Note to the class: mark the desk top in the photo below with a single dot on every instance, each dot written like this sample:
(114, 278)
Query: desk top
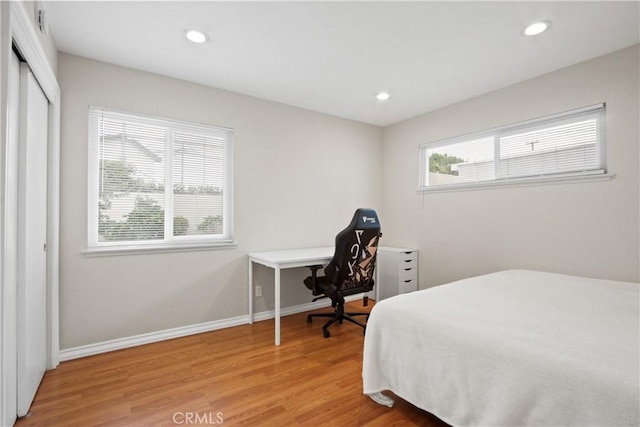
(289, 258)
(293, 256)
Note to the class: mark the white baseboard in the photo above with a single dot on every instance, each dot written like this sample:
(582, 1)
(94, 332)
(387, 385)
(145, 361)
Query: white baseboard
(183, 331)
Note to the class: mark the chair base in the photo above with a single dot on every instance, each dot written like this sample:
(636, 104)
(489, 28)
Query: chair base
(338, 316)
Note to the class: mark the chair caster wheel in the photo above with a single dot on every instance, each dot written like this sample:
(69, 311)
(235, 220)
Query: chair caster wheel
(309, 320)
(326, 333)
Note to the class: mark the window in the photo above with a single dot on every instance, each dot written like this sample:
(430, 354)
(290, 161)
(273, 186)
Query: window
(157, 183)
(562, 146)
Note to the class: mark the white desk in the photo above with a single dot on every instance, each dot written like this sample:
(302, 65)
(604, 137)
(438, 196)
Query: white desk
(289, 258)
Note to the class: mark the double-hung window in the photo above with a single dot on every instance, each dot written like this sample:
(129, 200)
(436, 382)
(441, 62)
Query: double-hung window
(569, 145)
(157, 183)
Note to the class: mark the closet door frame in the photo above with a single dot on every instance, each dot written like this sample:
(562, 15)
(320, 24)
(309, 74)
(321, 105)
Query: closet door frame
(16, 29)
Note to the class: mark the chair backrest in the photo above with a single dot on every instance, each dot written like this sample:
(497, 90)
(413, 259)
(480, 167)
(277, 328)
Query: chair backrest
(354, 260)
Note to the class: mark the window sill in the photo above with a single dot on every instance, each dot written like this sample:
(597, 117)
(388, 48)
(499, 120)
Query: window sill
(518, 182)
(151, 249)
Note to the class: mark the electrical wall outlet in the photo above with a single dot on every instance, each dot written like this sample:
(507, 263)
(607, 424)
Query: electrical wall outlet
(258, 290)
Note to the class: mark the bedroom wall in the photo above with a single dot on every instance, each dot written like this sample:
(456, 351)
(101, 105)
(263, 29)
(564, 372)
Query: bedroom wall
(588, 229)
(294, 173)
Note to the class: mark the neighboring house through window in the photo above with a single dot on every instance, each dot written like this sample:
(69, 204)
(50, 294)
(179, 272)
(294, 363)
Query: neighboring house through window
(562, 146)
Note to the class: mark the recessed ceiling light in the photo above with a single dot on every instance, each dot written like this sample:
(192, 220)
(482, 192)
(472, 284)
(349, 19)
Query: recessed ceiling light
(537, 28)
(196, 36)
(382, 96)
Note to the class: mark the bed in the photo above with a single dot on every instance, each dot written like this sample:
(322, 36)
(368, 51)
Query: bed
(513, 348)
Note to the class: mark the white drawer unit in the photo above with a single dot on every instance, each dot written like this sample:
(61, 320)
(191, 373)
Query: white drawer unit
(398, 271)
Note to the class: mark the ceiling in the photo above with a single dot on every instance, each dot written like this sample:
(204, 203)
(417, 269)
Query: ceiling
(333, 57)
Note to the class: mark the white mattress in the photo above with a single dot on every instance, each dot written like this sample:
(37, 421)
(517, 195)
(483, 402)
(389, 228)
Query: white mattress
(514, 348)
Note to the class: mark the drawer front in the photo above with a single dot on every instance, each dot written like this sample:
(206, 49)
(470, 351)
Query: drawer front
(404, 256)
(408, 263)
(408, 273)
(409, 285)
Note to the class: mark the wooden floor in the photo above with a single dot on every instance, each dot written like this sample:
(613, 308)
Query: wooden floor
(233, 377)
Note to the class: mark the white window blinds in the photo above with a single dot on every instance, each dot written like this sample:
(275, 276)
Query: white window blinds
(566, 144)
(157, 181)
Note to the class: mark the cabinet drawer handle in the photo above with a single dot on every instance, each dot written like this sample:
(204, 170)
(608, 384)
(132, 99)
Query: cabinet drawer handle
(408, 269)
(408, 260)
(407, 281)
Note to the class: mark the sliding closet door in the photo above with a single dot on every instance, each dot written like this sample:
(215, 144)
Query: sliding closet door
(32, 237)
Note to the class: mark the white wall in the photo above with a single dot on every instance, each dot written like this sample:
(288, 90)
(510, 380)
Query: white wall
(588, 229)
(298, 178)
(299, 175)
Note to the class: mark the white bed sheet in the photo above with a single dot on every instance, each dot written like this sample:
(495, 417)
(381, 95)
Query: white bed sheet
(513, 348)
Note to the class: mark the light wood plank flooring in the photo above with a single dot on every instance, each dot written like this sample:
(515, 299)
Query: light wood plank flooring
(232, 377)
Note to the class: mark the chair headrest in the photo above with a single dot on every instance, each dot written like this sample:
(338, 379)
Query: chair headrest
(366, 218)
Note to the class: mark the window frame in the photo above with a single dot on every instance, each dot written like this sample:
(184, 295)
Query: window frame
(598, 174)
(171, 243)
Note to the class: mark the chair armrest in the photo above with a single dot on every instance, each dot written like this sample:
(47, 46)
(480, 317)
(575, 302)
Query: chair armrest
(314, 271)
(312, 281)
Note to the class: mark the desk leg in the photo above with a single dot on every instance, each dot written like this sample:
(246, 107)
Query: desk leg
(250, 292)
(277, 277)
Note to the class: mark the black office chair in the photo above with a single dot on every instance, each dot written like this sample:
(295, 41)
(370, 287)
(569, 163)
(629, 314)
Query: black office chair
(351, 269)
